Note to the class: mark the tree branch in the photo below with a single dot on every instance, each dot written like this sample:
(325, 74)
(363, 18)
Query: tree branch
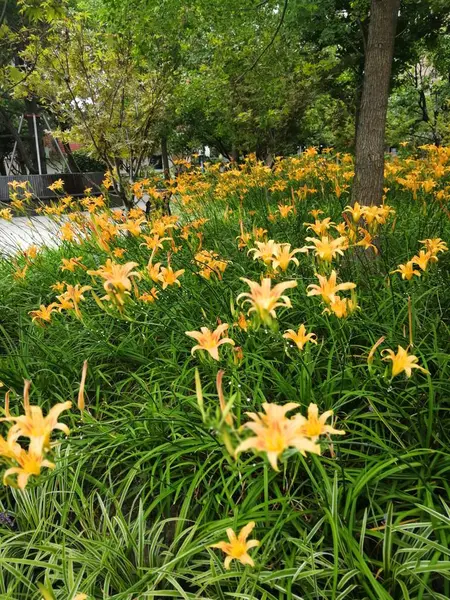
(264, 50)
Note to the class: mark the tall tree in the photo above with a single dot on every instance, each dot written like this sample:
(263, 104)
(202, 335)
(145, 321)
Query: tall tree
(369, 161)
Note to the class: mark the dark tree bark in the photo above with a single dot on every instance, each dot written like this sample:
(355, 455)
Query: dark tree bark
(69, 157)
(38, 145)
(369, 163)
(165, 158)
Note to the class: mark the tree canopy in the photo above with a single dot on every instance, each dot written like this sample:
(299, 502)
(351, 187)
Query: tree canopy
(263, 76)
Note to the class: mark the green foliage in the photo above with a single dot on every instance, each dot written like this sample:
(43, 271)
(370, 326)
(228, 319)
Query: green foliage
(143, 485)
(86, 163)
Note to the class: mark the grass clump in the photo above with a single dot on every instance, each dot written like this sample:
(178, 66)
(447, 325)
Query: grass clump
(149, 480)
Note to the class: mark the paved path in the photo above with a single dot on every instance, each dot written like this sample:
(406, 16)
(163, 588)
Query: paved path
(23, 232)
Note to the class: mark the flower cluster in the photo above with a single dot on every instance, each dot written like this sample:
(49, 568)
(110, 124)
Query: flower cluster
(32, 425)
(426, 256)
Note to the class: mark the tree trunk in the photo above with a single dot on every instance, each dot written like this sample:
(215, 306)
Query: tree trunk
(369, 164)
(69, 157)
(38, 144)
(165, 158)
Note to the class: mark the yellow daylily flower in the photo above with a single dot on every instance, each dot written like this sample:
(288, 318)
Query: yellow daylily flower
(210, 340)
(314, 425)
(6, 214)
(320, 228)
(57, 185)
(18, 184)
(341, 307)
(341, 228)
(44, 313)
(328, 288)
(18, 204)
(67, 232)
(300, 338)
(423, 258)
(402, 361)
(118, 280)
(407, 270)
(169, 277)
(58, 286)
(35, 426)
(434, 245)
(265, 300)
(274, 433)
(70, 264)
(356, 211)
(29, 464)
(9, 448)
(266, 251)
(237, 546)
(283, 256)
(149, 297)
(328, 248)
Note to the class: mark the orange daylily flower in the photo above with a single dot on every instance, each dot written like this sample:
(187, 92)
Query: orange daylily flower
(434, 245)
(35, 426)
(29, 464)
(70, 264)
(118, 280)
(407, 270)
(265, 300)
(328, 248)
(402, 361)
(237, 546)
(300, 337)
(210, 340)
(423, 258)
(328, 288)
(169, 277)
(283, 256)
(314, 425)
(9, 447)
(265, 251)
(285, 210)
(274, 433)
(341, 307)
(119, 252)
(149, 297)
(71, 298)
(44, 313)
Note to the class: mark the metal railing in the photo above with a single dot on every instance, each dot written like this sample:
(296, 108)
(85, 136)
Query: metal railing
(74, 184)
